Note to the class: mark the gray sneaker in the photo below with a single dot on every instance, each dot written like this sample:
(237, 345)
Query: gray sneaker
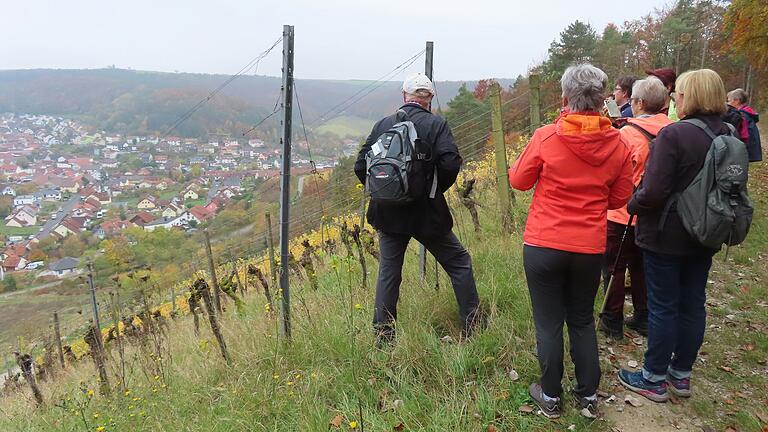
(586, 407)
(550, 409)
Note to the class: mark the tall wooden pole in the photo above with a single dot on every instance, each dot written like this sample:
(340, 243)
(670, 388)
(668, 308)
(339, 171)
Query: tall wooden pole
(534, 83)
(212, 270)
(502, 183)
(285, 186)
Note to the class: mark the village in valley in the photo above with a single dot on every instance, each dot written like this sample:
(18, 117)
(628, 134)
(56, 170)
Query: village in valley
(60, 180)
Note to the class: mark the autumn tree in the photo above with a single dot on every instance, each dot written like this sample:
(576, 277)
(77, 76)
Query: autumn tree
(470, 120)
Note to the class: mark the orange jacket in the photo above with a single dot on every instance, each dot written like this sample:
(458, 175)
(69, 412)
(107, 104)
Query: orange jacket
(639, 145)
(583, 168)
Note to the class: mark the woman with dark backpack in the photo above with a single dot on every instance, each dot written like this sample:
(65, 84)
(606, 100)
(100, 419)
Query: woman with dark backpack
(676, 265)
(748, 131)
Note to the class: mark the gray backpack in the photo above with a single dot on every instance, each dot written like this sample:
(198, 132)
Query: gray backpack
(396, 169)
(715, 208)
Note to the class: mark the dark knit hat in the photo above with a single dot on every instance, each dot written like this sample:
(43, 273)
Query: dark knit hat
(666, 75)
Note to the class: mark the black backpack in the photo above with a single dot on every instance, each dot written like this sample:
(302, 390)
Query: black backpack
(715, 208)
(396, 171)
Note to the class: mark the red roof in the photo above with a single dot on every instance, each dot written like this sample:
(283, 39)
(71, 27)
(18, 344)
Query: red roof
(142, 218)
(201, 213)
(12, 261)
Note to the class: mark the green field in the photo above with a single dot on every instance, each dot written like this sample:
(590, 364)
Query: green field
(347, 126)
(12, 231)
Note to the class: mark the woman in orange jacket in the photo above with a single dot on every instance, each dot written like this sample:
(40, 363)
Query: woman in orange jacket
(581, 167)
(648, 99)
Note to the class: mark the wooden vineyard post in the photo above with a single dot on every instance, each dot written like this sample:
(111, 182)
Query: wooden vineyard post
(501, 159)
(271, 248)
(212, 270)
(57, 335)
(25, 364)
(534, 83)
(93, 339)
(202, 289)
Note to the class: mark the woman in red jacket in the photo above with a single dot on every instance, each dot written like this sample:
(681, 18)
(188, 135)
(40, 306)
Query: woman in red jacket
(581, 168)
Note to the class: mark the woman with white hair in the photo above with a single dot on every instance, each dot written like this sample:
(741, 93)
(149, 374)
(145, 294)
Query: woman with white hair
(648, 98)
(581, 168)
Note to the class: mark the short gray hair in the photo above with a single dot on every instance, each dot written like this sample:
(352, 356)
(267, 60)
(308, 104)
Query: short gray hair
(419, 95)
(738, 95)
(584, 85)
(651, 91)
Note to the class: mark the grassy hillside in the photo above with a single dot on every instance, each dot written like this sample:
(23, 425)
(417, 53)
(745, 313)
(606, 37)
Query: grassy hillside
(331, 376)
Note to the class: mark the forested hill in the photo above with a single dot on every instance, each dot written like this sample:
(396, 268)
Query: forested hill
(137, 102)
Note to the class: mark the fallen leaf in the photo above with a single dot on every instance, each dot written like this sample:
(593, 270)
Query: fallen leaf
(477, 416)
(635, 402)
(572, 427)
(762, 417)
(398, 403)
(748, 347)
(336, 421)
(447, 339)
(731, 429)
(488, 359)
(398, 427)
(492, 428)
(728, 402)
(638, 341)
(726, 368)
(602, 394)
(526, 409)
(513, 375)
(632, 363)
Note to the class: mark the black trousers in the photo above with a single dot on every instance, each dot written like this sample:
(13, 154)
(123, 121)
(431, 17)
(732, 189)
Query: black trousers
(563, 286)
(449, 253)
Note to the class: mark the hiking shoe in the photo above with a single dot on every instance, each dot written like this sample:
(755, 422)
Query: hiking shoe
(586, 407)
(550, 409)
(476, 323)
(679, 387)
(385, 335)
(634, 381)
(637, 324)
(611, 328)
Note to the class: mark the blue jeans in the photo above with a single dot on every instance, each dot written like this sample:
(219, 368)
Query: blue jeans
(676, 314)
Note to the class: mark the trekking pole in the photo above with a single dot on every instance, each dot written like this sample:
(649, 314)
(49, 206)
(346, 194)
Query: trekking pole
(615, 266)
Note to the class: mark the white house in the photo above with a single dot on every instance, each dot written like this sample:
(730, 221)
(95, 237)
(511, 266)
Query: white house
(23, 200)
(9, 191)
(165, 222)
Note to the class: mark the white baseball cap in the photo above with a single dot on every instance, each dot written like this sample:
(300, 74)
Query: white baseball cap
(418, 81)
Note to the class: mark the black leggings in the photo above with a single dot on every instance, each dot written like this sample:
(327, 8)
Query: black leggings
(563, 286)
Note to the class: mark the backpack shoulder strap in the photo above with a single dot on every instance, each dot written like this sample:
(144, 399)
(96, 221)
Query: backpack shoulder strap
(401, 115)
(701, 125)
(647, 134)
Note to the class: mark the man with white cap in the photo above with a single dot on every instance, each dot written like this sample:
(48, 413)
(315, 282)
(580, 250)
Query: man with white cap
(427, 219)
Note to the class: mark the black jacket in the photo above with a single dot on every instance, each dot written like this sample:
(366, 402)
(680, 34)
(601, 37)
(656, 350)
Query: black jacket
(676, 157)
(426, 217)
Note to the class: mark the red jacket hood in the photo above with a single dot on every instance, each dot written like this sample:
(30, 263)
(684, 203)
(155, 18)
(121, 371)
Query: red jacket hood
(589, 136)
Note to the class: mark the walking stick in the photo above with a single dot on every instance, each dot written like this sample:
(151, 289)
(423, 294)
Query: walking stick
(615, 266)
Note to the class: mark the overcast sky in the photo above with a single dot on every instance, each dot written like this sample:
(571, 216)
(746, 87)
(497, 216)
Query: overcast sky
(335, 39)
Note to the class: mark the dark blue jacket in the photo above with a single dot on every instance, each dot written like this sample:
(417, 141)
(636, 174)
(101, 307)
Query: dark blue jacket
(626, 110)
